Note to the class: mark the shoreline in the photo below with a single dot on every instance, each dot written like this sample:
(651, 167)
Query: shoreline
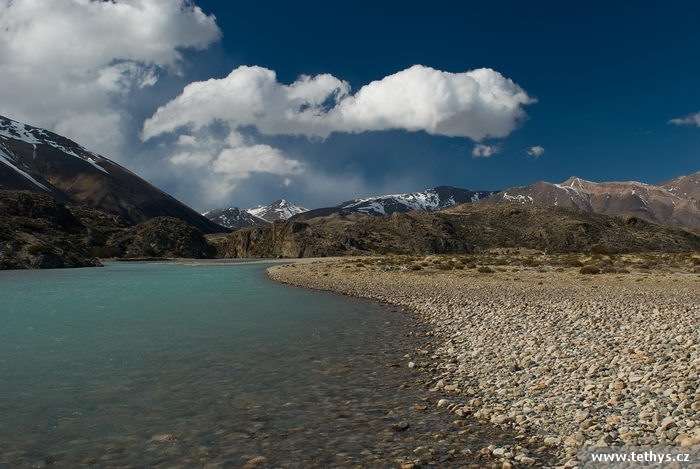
(567, 359)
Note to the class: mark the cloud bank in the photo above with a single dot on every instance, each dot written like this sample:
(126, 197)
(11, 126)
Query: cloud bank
(690, 119)
(65, 64)
(476, 104)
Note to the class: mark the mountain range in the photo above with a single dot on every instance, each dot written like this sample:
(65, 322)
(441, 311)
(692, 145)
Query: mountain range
(62, 205)
(41, 161)
(261, 215)
(673, 203)
(429, 200)
(465, 228)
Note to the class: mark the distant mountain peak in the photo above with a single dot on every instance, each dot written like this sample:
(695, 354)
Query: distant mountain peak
(280, 209)
(234, 217)
(575, 181)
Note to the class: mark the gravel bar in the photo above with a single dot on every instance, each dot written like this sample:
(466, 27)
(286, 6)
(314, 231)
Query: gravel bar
(569, 359)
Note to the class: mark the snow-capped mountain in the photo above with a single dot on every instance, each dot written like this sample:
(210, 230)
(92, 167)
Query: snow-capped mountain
(278, 210)
(235, 218)
(671, 203)
(35, 159)
(429, 200)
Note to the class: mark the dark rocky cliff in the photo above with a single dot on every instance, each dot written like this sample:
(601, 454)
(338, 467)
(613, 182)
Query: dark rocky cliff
(36, 231)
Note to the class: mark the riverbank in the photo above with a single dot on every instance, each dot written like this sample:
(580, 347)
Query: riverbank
(544, 347)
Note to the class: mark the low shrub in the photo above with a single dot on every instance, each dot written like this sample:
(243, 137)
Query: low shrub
(589, 270)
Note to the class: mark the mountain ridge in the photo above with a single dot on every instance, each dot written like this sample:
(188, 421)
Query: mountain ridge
(429, 200)
(234, 218)
(672, 204)
(32, 158)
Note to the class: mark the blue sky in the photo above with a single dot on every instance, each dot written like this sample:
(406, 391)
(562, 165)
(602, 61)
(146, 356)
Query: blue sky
(597, 86)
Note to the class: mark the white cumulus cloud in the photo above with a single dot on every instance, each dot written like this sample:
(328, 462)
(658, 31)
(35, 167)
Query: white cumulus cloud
(690, 119)
(485, 151)
(476, 104)
(251, 96)
(231, 160)
(64, 61)
(535, 151)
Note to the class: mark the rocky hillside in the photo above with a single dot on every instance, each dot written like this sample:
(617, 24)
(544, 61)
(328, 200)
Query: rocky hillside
(36, 231)
(41, 161)
(462, 229)
(674, 203)
(161, 237)
(687, 187)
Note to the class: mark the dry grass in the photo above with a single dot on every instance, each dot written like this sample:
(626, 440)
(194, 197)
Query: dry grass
(523, 260)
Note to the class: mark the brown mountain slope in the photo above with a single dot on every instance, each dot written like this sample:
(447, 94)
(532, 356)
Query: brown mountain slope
(657, 204)
(38, 160)
(462, 229)
(687, 187)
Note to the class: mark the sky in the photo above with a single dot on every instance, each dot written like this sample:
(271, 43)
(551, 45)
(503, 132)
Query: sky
(242, 103)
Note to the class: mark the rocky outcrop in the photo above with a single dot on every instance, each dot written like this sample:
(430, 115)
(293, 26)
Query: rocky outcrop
(37, 232)
(162, 237)
(463, 229)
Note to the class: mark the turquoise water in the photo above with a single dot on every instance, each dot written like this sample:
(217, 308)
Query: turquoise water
(141, 364)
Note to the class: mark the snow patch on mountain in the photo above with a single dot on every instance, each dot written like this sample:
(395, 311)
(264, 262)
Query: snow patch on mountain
(9, 161)
(520, 198)
(427, 200)
(34, 136)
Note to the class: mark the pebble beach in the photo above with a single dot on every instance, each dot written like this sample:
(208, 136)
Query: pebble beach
(564, 358)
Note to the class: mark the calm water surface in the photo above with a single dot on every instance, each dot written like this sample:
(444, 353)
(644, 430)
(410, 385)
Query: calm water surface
(140, 364)
(210, 365)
